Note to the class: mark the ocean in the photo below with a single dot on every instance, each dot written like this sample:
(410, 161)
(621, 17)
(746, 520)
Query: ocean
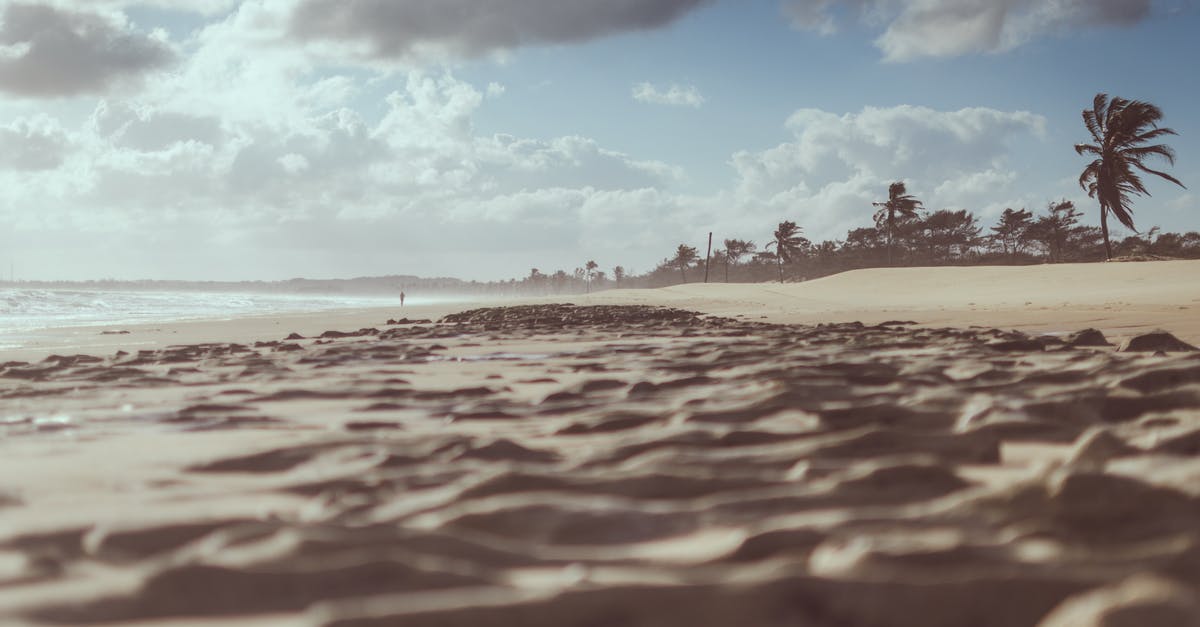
(26, 310)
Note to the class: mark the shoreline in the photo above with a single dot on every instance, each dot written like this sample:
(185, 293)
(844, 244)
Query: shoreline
(1121, 300)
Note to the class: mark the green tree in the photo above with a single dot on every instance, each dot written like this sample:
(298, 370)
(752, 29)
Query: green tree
(898, 202)
(950, 234)
(1121, 130)
(864, 247)
(1012, 230)
(789, 244)
(685, 256)
(619, 274)
(735, 249)
(1054, 230)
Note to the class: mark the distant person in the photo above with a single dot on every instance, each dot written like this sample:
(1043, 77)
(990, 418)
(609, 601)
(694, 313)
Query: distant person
(401, 298)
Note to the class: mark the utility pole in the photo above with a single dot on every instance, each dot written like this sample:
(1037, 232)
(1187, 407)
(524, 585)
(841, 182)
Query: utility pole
(707, 256)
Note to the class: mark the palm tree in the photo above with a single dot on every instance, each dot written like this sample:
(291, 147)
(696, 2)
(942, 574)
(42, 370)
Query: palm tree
(788, 243)
(899, 201)
(735, 249)
(1121, 129)
(590, 268)
(685, 256)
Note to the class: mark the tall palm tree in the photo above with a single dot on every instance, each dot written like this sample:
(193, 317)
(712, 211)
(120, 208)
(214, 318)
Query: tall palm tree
(735, 249)
(1120, 129)
(788, 242)
(898, 202)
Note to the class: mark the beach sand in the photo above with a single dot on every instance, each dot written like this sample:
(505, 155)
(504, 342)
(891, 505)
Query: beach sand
(621, 463)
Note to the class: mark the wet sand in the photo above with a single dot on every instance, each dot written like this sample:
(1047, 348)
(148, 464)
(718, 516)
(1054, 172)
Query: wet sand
(614, 465)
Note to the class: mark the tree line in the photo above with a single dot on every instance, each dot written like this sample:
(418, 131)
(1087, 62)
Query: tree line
(937, 238)
(905, 233)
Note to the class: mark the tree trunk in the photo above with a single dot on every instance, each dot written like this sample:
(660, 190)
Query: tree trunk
(1104, 229)
(726, 269)
(891, 235)
(707, 257)
(781, 270)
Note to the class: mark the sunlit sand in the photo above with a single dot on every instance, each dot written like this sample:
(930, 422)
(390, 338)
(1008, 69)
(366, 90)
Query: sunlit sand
(551, 465)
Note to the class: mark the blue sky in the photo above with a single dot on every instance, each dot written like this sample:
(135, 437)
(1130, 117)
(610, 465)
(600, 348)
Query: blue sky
(266, 139)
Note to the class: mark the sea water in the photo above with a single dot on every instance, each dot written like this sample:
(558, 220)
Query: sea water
(26, 310)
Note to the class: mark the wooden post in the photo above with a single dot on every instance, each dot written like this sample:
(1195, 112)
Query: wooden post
(707, 257)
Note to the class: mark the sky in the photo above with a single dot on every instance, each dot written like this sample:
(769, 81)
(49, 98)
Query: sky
(272, 139)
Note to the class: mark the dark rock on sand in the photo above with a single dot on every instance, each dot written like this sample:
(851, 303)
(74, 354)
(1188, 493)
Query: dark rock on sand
(406, 321)
(1155, 342)
(1019, 345)
(341, 334)
(558, 316)
(1088, 337)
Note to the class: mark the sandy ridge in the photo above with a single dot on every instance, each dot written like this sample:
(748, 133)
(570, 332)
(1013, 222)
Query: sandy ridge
(564, 466)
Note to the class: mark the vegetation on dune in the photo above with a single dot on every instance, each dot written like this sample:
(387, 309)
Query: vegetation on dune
(685, 257)
(929, 238)
(733, 252)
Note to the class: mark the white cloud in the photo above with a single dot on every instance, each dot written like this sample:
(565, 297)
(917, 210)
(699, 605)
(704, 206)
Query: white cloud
(836, 165)
(947, 28)
(33, 144)
(293, 163)
(283, 177)
(674, 95)
(52, 52)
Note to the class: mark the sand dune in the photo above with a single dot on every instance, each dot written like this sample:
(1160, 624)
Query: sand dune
(620, 465)
(1119, 298)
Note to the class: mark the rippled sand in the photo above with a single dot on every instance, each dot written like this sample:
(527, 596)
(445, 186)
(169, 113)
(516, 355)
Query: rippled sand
(565, 466)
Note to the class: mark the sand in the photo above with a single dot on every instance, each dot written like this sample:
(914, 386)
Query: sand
(620, 463)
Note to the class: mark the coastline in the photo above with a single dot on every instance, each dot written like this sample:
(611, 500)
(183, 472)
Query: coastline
(1119, 299)
(550, 465)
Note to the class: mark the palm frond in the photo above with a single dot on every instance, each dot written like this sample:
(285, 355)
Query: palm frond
(1158, 150)
(1133, 183)
(1123, 214)
(1160, 174)
(1112, 117)
(1089, 176)
(1153, 133)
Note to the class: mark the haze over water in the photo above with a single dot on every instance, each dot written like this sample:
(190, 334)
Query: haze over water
(24, 310)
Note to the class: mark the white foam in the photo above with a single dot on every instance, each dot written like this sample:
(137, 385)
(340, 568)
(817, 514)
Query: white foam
(24, 310)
